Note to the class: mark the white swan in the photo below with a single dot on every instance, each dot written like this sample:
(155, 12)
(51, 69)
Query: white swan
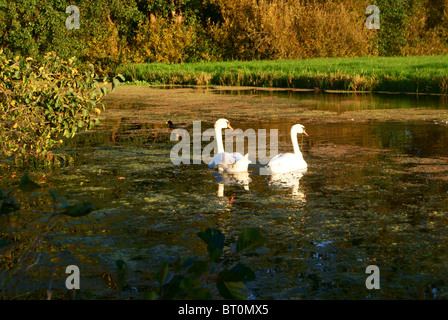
(287, 162)
(226, 161)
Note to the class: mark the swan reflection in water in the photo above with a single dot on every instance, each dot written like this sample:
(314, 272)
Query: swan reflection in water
(231, 179)
(289, 180)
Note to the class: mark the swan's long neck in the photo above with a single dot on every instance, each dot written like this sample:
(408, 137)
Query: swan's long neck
(218, 138)
(295, 143)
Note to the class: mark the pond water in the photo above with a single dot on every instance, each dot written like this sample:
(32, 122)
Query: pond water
(374, 193)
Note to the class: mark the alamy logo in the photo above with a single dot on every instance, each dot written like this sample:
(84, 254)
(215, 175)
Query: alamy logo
(72, 21)
(72, 281)
(373, 281)
(373, 21)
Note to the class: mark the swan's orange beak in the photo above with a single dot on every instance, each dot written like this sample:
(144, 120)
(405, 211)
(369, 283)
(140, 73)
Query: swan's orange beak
(229, 127)
(304, 132)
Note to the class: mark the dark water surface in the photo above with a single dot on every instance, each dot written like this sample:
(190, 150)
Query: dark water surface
(374, 194)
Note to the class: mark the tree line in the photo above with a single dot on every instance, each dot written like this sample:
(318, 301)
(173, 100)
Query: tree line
(113, 32)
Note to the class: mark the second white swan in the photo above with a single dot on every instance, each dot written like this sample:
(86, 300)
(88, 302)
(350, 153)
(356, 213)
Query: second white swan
(287, 162)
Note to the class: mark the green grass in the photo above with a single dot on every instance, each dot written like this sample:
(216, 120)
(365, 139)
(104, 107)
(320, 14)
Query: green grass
(422, 74)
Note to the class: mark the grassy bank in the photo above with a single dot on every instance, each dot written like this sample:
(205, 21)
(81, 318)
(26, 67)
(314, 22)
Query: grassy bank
(421, 74)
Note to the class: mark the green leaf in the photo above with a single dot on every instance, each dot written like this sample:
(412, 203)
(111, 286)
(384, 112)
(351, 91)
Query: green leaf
(240, 272)
(190, 288)
(215, 242)
(249, 239)
(74, 130)
(79, 209)
(197, 268)
(230, 283)
(173, 288)
(115, 83)
(232, 290)
(162, 273)
(104, 91)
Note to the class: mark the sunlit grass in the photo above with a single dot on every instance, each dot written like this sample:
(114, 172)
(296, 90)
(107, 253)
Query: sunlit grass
(422, 74)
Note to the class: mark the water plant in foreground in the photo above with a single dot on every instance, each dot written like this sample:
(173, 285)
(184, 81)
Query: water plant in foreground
(191, 278)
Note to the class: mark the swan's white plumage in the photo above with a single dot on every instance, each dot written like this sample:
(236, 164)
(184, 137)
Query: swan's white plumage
(226, 161)
(288, 162)
(230, 162)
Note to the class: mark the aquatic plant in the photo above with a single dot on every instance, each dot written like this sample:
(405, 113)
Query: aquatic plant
(189, 278)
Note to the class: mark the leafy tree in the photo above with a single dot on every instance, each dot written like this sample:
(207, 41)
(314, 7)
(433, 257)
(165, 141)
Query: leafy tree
(43, 101)
(437, 10)
(395, 16)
